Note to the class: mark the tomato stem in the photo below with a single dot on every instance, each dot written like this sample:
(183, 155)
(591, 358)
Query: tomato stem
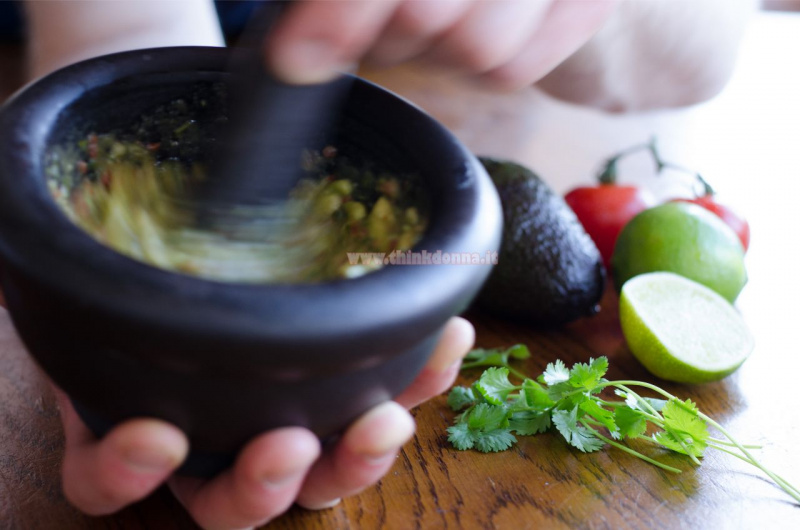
(608, 173)
(707, 189)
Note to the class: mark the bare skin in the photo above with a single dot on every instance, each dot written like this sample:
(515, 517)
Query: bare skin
(619, 55)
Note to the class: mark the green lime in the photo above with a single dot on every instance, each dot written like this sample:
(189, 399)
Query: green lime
(685, 239)
(680, 330)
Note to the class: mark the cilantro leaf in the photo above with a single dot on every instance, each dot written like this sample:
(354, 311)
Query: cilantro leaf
(519, 351)
(555, 373)
(494, 441)
(460, 397)
(566, 396)
(558, 391)
(478, 396)
(684, 431)
(599, 366)
(682, 416)
(657, 404)
(495, 356)
(529, 422)
(482, 357)
(576, 435)
(461, 437)
(630, 422)
(516, 403)
(672, 443)
(588, 375)
(485, 417)
(606, 417)
(480, 354)
(494, 385)
(584, 440)
(630, 399)
(535, 395)
(634, 401)
(484, 427)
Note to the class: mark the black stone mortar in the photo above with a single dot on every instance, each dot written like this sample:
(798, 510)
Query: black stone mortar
(224, 362)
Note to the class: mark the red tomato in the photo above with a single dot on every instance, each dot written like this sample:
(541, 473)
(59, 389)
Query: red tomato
(604, 209)
(734, 220)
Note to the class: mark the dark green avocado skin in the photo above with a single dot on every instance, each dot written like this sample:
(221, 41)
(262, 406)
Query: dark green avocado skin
(549, 270)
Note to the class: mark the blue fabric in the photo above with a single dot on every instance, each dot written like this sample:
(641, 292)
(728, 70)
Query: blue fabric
(11, 24)
(233, 15)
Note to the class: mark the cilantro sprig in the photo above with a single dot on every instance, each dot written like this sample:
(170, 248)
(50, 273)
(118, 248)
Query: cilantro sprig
(568, 401)
(497, 357)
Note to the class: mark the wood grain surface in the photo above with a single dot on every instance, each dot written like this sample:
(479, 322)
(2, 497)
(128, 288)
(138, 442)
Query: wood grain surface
(745, 142)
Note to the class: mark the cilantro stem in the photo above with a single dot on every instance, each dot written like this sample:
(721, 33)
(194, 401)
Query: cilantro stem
(593, 421)
(511, 369)
(621, 386)
(654, 388)
(614, 404)
(788, 488)
(653, 415)
(678, 438)
(656, 419)
(640, 400)
(719, 441)
(631, 451)
(651, 441)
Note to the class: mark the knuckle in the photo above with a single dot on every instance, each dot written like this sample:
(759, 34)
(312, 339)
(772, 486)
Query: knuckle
(476, 55)
(346, 45)
(509, 78)
(254, 505)
(102, 499)
(421, 19)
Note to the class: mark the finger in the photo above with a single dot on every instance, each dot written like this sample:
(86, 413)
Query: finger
(442, 368)
(317, 39)
(568, 25)
(100, 477)
(361, 457)
(263, 483)
(413, 28)
(489, 34)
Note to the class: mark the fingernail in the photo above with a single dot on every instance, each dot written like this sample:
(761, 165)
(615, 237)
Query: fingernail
(307, 62)
(458, 336)
(278, 478)
(281, 479)
(381, 459)
(381, 432)
(443, 366)
(444, 360)
(150, 460)
(322, 505)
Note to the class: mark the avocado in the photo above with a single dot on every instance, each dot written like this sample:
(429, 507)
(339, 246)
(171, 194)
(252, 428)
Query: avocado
(549, 270)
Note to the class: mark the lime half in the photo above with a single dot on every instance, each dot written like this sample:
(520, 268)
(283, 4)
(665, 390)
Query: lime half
(681, 330)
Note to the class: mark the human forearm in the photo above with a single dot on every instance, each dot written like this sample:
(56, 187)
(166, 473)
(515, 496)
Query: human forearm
(653, 54)
(66, 31)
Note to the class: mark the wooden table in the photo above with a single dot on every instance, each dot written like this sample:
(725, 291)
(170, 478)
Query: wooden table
(745, 142)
